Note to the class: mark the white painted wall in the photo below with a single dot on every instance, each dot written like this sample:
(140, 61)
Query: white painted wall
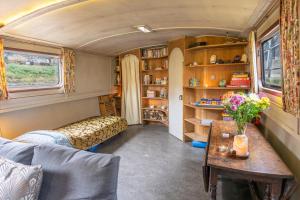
(93, 78)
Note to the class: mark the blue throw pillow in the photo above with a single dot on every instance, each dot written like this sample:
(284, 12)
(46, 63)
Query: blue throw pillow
(16, 151)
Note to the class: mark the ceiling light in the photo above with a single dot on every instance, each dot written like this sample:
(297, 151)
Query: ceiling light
(144, 28)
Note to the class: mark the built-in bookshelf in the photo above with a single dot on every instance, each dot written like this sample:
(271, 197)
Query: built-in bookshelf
(219, 58)
(117, 78)
(154, 85)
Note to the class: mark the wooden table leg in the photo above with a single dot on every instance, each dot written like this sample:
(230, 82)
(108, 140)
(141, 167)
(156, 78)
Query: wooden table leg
(276, 190)
(267, 192)
(213, 184)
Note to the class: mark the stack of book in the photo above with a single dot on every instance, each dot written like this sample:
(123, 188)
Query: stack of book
(155, 53)
(240, 79)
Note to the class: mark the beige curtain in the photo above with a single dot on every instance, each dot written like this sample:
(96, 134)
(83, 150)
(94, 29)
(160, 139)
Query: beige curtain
(252, 60)
(68, 61)
(131, 100)
(290, 55)
(3, 83)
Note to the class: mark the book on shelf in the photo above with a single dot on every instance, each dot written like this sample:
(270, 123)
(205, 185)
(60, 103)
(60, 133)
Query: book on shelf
(240, 75)
(240, 79)
(155, 53)
(241, 86)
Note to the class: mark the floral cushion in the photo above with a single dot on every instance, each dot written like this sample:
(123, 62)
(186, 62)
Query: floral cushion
(18, 181)
(95, 130)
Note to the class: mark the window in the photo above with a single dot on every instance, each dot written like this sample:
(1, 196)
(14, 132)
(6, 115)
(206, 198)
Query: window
(31, 71)
(271, 63)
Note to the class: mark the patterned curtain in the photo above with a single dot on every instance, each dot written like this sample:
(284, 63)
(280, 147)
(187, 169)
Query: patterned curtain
(3, 84)
(68, 60)
(252, 59)
(290, 52)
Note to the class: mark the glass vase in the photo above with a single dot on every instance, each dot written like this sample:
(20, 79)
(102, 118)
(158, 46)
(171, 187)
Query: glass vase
(240, 142)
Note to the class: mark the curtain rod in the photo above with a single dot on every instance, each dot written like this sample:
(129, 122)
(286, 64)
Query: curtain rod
(32, 41)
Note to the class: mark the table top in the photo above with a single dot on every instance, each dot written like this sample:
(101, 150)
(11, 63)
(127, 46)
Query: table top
(263, 160)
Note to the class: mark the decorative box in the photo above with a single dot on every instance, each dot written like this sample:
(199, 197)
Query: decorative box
(151, 93)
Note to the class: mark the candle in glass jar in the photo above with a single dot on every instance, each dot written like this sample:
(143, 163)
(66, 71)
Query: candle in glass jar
(240, 145)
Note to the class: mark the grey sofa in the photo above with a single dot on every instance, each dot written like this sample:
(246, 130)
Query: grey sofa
(68, 173)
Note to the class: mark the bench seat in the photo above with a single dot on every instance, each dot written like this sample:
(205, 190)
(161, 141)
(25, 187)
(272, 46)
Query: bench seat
(92, 131)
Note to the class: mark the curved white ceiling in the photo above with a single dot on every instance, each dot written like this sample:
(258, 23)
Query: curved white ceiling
(106, 26)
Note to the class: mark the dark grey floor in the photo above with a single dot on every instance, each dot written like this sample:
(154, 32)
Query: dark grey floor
(157, 166)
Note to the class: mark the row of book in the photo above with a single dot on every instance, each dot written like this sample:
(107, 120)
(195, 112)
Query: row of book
(155, 53)
(240, 79)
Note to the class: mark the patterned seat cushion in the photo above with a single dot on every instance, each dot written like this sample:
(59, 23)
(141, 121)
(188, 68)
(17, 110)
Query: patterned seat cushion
(95, 130)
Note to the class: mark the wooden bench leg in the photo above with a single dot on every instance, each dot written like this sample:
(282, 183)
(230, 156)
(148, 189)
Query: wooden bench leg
(213, 184)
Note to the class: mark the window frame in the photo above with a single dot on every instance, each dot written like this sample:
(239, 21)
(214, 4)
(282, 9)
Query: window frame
(266, 35)
(272, 89)
(41, 88)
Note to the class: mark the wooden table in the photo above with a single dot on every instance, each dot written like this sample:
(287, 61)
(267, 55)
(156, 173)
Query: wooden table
(263, 165)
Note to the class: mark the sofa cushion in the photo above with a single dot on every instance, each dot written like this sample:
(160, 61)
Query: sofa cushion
(75, 174)
(17, 151)
(18, 181)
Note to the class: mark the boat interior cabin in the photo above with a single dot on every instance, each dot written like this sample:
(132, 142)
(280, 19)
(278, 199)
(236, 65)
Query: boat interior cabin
(149, 100)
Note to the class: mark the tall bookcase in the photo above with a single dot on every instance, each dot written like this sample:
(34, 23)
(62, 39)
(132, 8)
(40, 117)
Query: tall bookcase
(117, 78)
(199, 67)
(154, 85)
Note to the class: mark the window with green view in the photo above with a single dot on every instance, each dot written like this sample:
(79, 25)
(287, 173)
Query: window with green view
(27, 70)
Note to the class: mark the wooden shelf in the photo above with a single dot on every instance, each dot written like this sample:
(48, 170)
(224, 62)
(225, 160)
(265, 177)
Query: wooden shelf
(208, 75)
(217, 65)
(155, 98)
(195, 122)
(204, 107)
(156, 109)
(153, 120)
(155, 85)
(155, 70)
(144, 58)
(217, 88)
(218, 46)
(196, 136)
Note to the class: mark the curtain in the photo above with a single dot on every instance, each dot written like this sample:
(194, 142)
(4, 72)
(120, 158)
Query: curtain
(252, 60)
(3, 83)
(68, 60)
(131, 100)
(290, 52)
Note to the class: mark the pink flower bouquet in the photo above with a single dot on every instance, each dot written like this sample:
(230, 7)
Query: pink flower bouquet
(243, 108)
